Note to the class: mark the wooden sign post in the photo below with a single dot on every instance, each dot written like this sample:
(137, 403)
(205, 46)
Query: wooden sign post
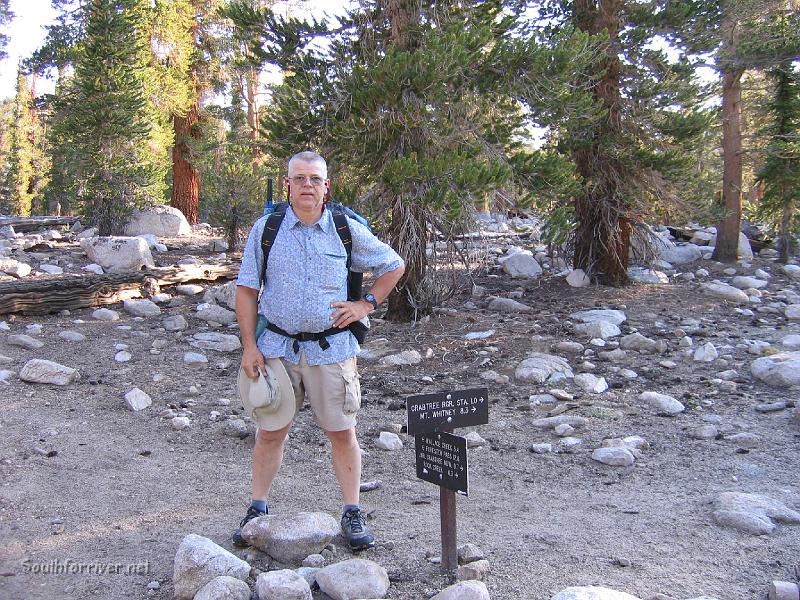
(441, 457)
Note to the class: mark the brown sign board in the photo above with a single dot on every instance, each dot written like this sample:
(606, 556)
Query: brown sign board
(442, 460)
(446, 410)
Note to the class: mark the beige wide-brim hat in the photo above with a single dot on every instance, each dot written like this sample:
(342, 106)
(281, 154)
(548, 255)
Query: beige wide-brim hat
(269, 400)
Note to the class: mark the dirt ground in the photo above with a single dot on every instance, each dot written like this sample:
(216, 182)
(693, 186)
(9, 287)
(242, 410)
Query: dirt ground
(84, 482)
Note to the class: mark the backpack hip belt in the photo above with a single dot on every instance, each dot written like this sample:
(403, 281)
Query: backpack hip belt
(320, 337)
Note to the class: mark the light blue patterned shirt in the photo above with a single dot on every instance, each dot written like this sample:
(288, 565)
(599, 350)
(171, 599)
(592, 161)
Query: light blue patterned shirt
(306, 272)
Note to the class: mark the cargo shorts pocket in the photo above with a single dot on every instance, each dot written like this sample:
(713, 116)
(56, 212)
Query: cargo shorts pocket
(352, 392)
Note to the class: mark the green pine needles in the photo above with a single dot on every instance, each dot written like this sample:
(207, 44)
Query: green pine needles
(109, 118)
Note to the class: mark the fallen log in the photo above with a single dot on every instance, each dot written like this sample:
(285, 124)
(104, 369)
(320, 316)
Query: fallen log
(68, 292)
(34, 223)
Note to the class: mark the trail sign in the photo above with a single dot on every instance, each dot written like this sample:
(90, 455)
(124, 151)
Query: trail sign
(461, 408)
(442, 460)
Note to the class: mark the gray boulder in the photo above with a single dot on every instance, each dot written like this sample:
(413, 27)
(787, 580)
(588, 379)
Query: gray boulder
(538, 367)
(464, 590)
(407, 357)
(751, 513)
(598, 329)
(38, 370)
(508, 305)
(216, 314)
(118, 254)
(725, 292)
(779, 370)
(592, 593)
(617, 317)
(636, 341)
(224, 587)
(284, 584)
(24, 341)
(614, 456)
(662, 403)
(141, 308)
(289, 539)
(354, 578)
(159, 220)
(198, 561)
(521, 264)
(210, 340)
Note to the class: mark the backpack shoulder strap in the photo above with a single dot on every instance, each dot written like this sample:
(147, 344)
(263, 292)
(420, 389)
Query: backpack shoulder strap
(271, 227)
(343, 230)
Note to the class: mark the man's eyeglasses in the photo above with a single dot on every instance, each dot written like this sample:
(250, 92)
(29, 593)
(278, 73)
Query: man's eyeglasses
(299, 180)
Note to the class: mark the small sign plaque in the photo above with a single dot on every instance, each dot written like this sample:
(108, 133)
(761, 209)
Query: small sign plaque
(446, 410)
(442, 460)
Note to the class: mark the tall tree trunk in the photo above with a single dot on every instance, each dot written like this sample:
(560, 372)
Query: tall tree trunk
(185, 178)
(602, 238)
(253, 114)
(727, 245)
(407, 230)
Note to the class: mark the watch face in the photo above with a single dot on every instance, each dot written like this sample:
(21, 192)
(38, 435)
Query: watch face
(371, 299)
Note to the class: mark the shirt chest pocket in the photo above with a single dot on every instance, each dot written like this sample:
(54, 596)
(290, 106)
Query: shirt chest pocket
(332, 271)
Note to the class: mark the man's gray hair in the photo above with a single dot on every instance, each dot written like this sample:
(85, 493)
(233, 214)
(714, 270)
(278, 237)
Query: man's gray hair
(309, 157)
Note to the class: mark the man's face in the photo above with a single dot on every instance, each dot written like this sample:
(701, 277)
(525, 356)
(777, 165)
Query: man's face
(307, 186)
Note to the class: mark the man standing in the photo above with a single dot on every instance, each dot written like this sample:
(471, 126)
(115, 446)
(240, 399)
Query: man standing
(305, 292)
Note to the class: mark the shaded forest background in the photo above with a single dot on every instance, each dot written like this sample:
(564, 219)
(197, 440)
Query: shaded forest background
(590, 114)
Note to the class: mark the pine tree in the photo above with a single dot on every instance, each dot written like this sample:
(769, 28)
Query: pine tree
(632, 146)
(780, 172)
(20, 176)
(415, 103)
(6, 17)
(739, 35)
(203, 67)
(108, 118)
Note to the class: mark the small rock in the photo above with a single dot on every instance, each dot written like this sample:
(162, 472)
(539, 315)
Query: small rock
(744, 439)
(189, 289)
(474, 440)
(615, 456)
(354, 578)
(464, 590)
(46, 371)
(24, 341)
(544, 448)
(706, 353)
(224, 587)
(473, 571)
(105, 314)
(568, 444)
(591, 383)
(705, 432)
(564, 430)
(577, 278)
(195, 360)
(468, 553)
(72, 336)
(662, 403)
(180, 423)
(283, 584)
(389, 441)
(407, 357)
(508, 305)
(137, 400)
(236, 428)
(175, 323)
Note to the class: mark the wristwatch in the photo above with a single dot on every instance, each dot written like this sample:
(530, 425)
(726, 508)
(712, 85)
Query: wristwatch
(371, 299)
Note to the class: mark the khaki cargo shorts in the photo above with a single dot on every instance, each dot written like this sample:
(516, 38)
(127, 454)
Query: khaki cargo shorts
(333, 391)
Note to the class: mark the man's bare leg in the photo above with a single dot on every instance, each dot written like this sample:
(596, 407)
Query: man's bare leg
(346, 456)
